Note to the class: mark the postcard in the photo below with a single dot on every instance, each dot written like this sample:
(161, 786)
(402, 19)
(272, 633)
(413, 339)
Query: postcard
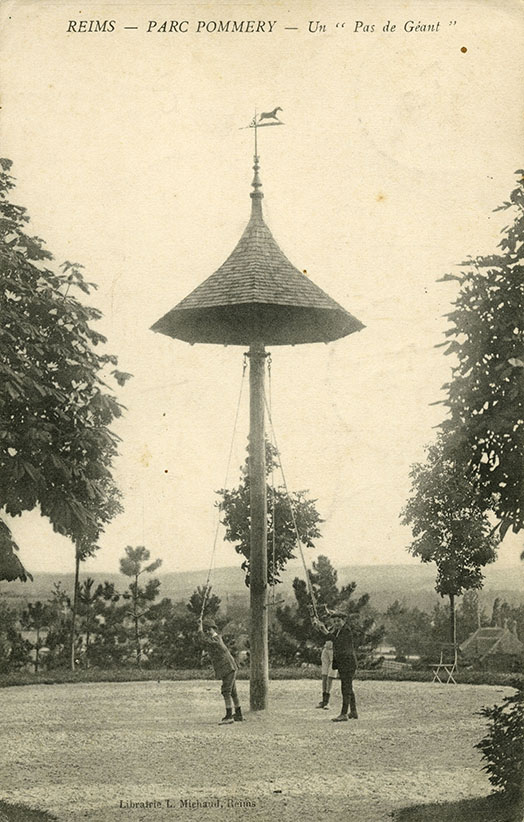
(259, 201)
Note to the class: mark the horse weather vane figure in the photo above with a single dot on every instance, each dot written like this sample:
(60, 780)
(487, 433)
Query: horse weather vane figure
(257, 298)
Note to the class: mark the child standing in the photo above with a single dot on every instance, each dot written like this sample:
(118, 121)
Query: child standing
(344, 660)
(225, 668)
(328, 673)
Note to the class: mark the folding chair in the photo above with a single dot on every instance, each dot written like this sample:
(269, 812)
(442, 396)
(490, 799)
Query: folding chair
(447, 666)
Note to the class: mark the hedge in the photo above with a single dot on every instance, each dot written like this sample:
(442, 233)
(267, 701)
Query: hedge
(62, 676)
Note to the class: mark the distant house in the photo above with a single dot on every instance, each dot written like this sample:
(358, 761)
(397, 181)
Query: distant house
(494, 649)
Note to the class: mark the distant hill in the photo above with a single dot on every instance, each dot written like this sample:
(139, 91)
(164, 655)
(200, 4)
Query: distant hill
(414, 584)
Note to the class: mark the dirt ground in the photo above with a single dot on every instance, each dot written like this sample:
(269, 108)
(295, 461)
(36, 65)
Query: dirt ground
(97, 751)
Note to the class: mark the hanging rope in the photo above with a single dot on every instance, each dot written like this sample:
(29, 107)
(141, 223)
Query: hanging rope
(297, 535)
(207, 585)
(273, 523)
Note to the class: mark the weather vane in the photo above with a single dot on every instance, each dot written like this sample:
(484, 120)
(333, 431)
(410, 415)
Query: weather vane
(257, 123)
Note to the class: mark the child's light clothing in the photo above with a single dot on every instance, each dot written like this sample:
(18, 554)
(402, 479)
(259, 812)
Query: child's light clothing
(326, 660)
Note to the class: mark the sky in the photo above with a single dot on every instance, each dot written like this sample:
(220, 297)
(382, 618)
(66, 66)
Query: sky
(131, 156)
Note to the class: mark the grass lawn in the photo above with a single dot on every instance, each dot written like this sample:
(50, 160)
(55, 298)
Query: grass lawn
(103, 751)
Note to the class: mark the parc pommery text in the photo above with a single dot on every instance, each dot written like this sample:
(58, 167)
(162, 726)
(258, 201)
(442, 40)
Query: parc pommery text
(261, 27)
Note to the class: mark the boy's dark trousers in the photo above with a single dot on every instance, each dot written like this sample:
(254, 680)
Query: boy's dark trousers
(229, 688)
(346, 686)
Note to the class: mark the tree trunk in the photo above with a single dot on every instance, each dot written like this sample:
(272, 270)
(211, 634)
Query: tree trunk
(75, 606)
(88, 634)
(452, 620)
(37, 649)
(135, 619)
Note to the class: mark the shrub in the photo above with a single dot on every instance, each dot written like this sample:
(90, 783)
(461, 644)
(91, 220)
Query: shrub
(502, 747)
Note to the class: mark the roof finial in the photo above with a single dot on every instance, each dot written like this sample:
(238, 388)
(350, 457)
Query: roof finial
(256, 195)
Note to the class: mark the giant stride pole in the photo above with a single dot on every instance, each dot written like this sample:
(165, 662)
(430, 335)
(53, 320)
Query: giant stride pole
(259, 677)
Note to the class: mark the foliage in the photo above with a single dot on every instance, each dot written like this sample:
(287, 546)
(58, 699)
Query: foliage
(133, 674)
(141, 596)
(56, 446)
(10, 566)
(15, 812)
(485, 397)
(450, 527)
(173, 634)
(212, 602)
(510, 615)
(14, 649)
(109, 644)
(415, 632)
(59, 633)
(281, 535)
(502, 746)
(94, 607)
(36, 617)
(408, 629)
(292, 637)
(470, 616)
(492, 808)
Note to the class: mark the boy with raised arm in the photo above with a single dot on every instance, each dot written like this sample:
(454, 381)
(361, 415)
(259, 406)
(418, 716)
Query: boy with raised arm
(344, 660)
(224, 666)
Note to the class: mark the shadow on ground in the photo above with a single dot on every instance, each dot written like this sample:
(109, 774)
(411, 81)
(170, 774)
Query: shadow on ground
(21, 813)
(486, 809)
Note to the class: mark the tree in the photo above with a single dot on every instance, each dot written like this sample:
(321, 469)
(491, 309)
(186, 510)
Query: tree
(14, 649)
(485, 397)
(59, 634)
(506, 615)
(409, 630)
(173, 634)
(502, 745)
(141, 596)
(93, 602)
(293, 637)
(470, 616)
(281, 534)
(56, 445)
(449, 525)
(10, 566)
(196, 600)
(36, 617)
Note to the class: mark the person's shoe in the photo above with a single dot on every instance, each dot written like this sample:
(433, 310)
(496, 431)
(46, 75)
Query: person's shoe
(340, 718)
(227, 719)
(238, 716)
(352, 716)
(320, 705)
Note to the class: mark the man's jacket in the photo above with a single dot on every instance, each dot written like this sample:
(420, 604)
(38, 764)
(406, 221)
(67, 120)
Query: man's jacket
(221, 658)
(344, 655)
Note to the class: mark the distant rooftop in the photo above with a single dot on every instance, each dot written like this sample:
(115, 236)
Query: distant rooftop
(490, 641)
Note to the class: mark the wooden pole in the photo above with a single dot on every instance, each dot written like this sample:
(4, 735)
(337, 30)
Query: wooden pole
(75, 607)
(259, 677)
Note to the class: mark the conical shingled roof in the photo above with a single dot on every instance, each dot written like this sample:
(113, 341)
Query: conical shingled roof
(257, 295)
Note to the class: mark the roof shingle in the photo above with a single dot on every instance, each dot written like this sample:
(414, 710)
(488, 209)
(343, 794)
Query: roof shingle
(257, 294)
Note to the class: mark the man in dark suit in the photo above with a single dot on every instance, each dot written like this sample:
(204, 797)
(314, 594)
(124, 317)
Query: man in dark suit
(344, 661)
